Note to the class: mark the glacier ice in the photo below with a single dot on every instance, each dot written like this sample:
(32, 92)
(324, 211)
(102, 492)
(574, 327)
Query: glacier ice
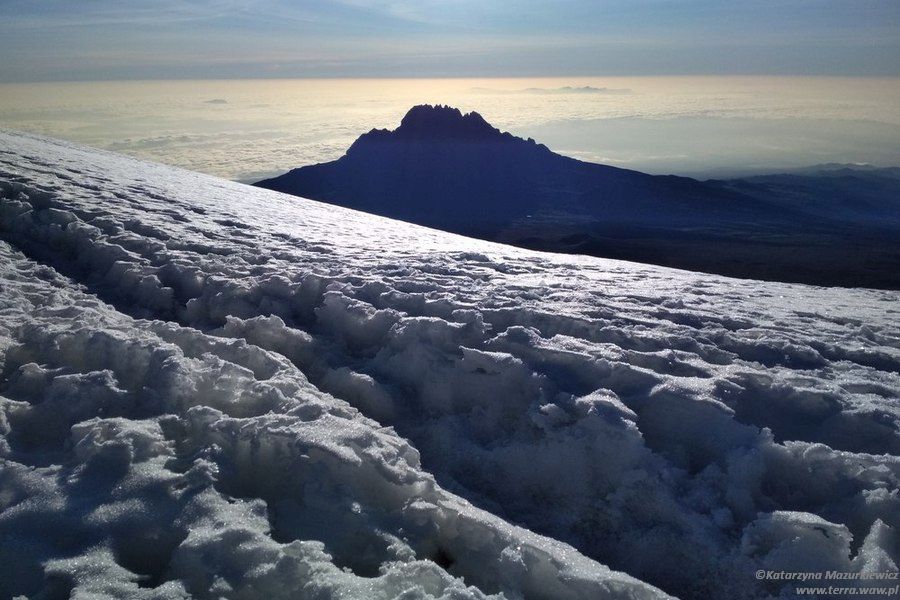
(211, 390)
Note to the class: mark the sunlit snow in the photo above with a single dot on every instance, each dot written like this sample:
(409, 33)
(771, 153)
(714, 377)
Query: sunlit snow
(213, 390)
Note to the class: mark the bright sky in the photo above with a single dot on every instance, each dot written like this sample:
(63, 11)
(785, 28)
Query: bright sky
(55, 40)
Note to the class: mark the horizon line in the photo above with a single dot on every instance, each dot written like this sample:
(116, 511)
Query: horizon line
(452, 77)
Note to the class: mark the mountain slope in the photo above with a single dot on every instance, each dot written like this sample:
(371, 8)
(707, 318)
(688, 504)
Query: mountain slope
(210, 389)
(443, 168)
(456, 172)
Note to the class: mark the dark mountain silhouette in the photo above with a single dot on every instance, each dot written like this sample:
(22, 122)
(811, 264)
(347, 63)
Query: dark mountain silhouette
(456, 172)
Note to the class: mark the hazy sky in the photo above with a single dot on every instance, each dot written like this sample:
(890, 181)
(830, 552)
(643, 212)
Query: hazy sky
(48, 40)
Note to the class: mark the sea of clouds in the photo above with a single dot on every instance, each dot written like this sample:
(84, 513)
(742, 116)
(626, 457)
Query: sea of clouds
(252, 129)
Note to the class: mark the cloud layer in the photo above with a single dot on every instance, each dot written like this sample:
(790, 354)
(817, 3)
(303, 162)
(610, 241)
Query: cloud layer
(254, 129)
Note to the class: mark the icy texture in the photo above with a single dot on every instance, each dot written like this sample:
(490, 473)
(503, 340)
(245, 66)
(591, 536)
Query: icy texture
(215, 390)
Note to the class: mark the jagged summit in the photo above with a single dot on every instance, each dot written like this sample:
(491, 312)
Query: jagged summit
(445, 122)
(438, 123)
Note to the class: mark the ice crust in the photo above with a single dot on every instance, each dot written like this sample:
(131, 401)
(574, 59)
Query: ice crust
(212, 390)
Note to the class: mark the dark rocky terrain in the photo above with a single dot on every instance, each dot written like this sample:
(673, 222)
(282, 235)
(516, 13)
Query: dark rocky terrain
(452, 171)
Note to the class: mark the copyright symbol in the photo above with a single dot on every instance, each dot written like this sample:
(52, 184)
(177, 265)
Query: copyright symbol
(760, 574)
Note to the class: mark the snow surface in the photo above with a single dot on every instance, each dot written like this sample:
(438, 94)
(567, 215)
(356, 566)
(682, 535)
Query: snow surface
(214, 390)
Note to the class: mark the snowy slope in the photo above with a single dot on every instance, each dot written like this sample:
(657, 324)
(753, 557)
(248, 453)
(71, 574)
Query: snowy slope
(222, 391)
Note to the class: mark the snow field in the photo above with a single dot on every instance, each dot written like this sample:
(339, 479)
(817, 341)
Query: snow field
(217, 390)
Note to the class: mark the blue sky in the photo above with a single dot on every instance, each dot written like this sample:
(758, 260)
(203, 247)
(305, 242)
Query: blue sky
(47, 40)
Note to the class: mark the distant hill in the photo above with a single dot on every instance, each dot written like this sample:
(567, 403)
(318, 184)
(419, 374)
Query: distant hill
(456, 172)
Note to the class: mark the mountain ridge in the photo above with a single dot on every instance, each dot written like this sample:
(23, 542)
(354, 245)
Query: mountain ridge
(454, 171)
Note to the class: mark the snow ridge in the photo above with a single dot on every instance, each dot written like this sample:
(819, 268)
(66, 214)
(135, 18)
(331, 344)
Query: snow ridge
(209, 382)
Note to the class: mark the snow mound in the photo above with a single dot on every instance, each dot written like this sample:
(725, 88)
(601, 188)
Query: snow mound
(212, 390)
